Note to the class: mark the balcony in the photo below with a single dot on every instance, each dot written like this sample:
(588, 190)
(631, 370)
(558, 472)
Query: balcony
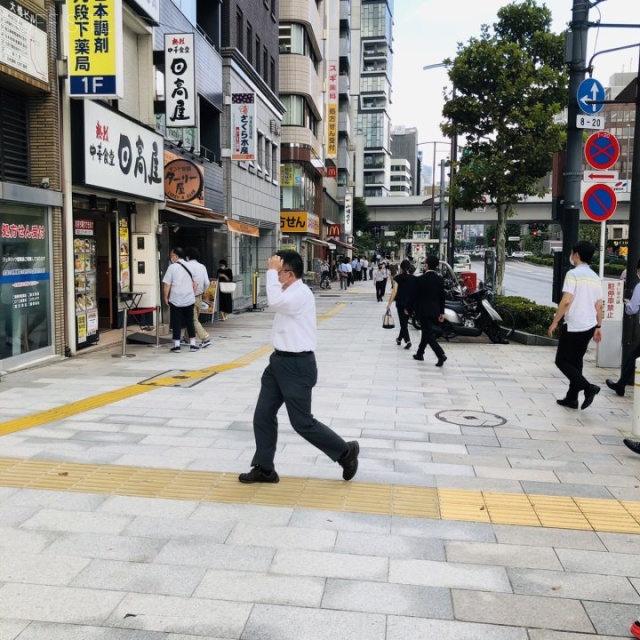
(344, 122)
(344, 86)
(345, 48)
(345, 13)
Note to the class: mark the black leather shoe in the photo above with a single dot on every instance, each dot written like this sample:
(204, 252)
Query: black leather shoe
(258, 474)
(398, 341)
(441, 361)
(349, 460)
(634, 445)
(407, 346)
(417, 357)
(589, 394)
(615, 386)
(565, 402)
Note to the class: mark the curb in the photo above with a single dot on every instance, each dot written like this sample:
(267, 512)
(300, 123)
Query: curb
(531, 339)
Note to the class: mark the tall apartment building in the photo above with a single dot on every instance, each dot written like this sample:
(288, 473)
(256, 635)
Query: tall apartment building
(620, 120)
(404, 145)
(372, 53)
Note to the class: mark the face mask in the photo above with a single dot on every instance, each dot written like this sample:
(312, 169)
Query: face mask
(571, 262)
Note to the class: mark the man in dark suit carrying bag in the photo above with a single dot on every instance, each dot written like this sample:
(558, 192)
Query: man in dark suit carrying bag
(427, 300)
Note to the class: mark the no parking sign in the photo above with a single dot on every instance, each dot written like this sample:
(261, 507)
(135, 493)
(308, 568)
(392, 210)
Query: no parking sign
(599, 202)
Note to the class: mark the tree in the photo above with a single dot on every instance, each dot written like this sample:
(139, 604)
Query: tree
(360, 214)
(509, 83)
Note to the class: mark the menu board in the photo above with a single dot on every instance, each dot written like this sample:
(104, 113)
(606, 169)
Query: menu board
(84, 254)
(123, 243)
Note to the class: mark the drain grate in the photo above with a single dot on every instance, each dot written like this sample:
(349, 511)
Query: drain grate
(178, 378)
(469, 418)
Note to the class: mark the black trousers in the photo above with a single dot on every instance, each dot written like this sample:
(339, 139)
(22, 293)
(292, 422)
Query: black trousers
(381, 286)
(290, 381)
(572, 345)
(628, 373)
(181, 317)
(428, 337)
(403, 318)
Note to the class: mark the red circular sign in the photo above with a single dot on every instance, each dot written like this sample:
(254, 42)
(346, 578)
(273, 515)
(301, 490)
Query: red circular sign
(602, 150)
(599, 202)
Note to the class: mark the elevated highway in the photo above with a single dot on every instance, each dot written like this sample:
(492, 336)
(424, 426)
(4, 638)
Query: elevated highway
(394, 211)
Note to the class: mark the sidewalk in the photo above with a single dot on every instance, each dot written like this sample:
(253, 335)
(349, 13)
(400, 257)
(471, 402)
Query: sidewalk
(481, 509)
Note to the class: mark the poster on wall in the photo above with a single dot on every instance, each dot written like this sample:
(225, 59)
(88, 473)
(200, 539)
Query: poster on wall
(180, 97)
(122, 155)
(243, 118)
(95, 49)
(23, 40)
(124, 279)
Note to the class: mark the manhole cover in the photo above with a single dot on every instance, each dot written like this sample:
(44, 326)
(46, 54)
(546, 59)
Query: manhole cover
(178, 378)
(467, 418)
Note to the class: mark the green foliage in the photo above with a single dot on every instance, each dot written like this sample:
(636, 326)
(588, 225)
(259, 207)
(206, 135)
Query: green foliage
(360, 214)
(528, 316)
(509, 85)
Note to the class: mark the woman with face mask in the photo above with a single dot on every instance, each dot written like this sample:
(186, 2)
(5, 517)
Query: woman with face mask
(226, 299)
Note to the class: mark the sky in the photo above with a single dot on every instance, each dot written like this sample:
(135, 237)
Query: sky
(428, 31)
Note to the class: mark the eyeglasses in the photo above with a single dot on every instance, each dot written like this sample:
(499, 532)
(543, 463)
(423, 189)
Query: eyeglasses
(285, 271)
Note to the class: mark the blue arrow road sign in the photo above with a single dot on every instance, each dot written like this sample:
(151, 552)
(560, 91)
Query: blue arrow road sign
(590, 89)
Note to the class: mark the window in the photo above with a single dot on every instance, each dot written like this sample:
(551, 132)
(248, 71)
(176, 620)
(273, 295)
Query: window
(188, 8)
(239, 29)
(14, 138)
(275, 162)
(249, 43)
(257, 65)
(272, 74)
(268, 150)
(295, 106)
(293, 38)
(265, 64)
(261, 166)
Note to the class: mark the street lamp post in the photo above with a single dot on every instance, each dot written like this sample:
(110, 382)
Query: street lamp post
(433, 181)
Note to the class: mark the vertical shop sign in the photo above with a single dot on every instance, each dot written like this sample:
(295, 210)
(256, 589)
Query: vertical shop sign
(23, 40)
(243, 136)
(348, 214)
(123, 233)
(121, 155)
(95, 49)
(180, 80)
(332, 110)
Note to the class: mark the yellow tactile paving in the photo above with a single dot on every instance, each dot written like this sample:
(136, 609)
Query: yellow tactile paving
(329, 495)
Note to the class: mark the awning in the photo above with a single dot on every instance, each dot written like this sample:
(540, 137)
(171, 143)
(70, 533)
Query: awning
(341, 244)
(320, 243)
(243, 227)
(193, 213)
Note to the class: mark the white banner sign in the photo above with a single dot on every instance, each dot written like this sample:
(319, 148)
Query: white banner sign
(180, 80)
(243, 132)
(121, 155)
(23, 40)
(348, 214)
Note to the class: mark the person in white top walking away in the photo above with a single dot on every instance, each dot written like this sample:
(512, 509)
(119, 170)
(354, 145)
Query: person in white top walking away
(291, 375)
(201, 278)
(580, 309)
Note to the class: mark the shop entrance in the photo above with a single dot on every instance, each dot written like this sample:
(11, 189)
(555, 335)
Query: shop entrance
(107, 305)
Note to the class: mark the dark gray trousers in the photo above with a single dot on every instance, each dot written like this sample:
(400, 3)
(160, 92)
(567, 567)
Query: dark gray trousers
(290, 381)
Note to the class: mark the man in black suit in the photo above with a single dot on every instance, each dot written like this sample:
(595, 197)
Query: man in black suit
(427, 300)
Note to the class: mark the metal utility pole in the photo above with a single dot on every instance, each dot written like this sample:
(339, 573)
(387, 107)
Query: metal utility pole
(441, 245)
(576, 57)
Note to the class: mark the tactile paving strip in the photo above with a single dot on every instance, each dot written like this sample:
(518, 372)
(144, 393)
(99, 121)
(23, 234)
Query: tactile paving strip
(330, 495)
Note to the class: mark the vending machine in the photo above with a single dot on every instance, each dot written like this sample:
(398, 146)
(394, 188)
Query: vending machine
(85, 277)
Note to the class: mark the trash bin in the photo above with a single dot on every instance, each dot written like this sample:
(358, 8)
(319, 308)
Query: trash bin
(469, 279)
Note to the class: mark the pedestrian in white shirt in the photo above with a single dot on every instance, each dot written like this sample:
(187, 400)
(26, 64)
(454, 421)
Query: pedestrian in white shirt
(201, 278)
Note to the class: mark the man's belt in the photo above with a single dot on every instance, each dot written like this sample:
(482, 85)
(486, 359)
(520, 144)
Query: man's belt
(292, 354)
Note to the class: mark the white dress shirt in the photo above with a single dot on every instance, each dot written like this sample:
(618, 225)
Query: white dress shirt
(294, 324)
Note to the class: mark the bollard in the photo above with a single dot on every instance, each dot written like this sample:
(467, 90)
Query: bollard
(125, 322)
(635, 424)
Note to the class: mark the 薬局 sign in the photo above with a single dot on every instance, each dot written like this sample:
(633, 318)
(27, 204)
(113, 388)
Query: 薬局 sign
(180, 80)
(121, 155)
(23, 40)
(243, 118)
(95, 49)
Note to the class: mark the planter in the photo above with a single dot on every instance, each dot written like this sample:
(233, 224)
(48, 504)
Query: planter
(532, 339)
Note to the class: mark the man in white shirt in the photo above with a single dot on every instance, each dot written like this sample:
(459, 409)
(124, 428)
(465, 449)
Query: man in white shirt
(291, 375)
(201, 278)
(581, 309)
(365, 267)
(179, 294)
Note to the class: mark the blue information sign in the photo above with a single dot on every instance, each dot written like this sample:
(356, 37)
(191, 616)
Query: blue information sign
(590, 89)
(599, 202)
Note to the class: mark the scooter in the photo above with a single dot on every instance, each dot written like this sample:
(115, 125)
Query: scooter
(471, 315)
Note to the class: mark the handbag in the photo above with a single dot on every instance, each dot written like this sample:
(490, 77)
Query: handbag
(227, 287)
(387, 320)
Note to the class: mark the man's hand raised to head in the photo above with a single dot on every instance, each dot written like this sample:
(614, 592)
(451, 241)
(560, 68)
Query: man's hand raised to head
(274, 262)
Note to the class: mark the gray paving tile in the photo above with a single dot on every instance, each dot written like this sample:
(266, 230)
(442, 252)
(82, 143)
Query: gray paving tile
(282, 537)
(340, 521)
(201, 553)
(181, 615)
(546, 634)
(447, 574)
(402, 628)
(245, 586)
(504, 555)
(611, 618)
(167, 528)
(18, 566)
(55, 500)
(578, 586)
(56, 604)
(601, 563)
(274, 516)
(329, 565)
(396, 599)
(139, 577)
(55, 631)
(268, 622)
(561, 489)
(10, 629)
(518, 610)
(442, 529)
(134, 506)
(76, 522)
(391, 546)
(107, 547)
(542, 537)
(621, 542)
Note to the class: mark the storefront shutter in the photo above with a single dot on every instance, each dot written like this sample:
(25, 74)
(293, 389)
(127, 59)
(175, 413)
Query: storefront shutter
(14, 144)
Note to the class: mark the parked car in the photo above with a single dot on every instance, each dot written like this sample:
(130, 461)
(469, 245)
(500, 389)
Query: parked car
(461, 262)
(521, 254)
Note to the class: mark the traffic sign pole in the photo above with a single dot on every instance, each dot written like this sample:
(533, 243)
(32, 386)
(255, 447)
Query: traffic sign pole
(603, 240)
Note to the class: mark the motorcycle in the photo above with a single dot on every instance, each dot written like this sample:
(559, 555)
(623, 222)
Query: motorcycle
(469, 314)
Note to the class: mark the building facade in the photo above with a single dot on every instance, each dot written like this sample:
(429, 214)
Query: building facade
(404, 145)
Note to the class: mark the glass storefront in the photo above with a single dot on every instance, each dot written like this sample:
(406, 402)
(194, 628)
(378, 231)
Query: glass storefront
(25, 281)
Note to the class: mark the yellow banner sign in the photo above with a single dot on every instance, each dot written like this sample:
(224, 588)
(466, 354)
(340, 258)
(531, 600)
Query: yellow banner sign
(299, 222)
